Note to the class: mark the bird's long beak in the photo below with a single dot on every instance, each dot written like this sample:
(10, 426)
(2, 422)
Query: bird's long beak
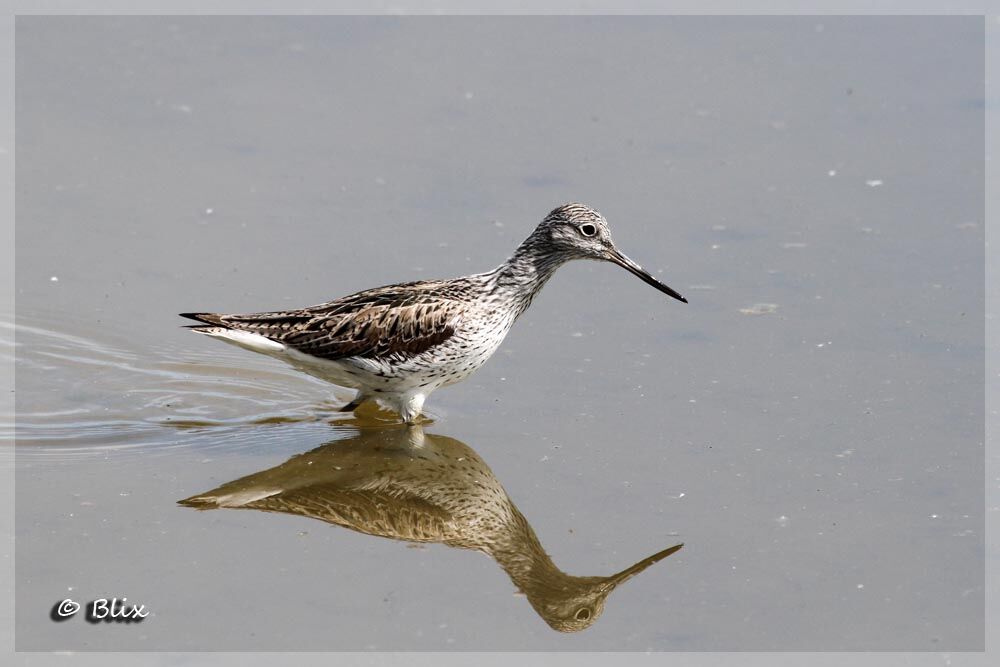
(626, 574)
(619, 258)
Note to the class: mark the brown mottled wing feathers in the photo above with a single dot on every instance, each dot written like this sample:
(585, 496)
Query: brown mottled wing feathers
(384, 323)
(392, 512)
(377, 331)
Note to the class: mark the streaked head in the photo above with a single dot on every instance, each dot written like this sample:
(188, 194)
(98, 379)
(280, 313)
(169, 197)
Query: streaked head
(571, 604)
(582, 233)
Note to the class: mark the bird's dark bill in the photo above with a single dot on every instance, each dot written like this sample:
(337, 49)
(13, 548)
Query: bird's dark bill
(628, 573)
(626, 263)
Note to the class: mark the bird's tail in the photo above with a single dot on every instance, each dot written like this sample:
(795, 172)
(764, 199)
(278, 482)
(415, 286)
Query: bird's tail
(213, 319)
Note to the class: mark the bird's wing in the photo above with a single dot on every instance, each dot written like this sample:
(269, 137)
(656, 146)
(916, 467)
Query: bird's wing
(393, 322)
(384, 509)
(395, 515)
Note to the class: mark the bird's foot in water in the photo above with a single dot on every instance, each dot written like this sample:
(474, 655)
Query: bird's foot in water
(368, 412)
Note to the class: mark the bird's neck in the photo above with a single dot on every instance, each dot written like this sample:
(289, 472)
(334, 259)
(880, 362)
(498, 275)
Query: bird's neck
(524, 274)
(522, 557)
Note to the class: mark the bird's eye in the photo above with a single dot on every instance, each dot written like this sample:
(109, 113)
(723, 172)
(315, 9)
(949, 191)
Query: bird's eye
(584, 613)
(588, 230)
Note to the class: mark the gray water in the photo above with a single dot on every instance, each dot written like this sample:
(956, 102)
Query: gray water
(810, 426)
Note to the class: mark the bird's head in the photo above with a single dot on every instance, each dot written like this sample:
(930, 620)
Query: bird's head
(577, 231)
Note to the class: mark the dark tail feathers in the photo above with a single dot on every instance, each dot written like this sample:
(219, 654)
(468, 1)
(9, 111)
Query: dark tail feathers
(207, 318)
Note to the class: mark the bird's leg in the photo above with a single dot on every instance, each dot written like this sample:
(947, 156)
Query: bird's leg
(411, 407)
(415, 435)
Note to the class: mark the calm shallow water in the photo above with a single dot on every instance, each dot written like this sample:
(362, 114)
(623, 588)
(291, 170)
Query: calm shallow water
(810, 426)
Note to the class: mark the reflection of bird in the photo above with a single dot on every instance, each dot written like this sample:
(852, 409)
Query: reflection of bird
(399, 343)
(405, 485)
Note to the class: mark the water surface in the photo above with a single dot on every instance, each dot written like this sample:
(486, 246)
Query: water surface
(810, 426)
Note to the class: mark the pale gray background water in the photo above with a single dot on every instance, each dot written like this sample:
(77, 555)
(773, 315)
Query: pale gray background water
(822, 462)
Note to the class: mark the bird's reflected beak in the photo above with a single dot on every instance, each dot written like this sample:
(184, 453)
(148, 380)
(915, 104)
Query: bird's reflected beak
(626, 574)
(619, 258)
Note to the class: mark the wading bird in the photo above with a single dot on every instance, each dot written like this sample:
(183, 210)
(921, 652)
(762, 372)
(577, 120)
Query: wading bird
(398, 343)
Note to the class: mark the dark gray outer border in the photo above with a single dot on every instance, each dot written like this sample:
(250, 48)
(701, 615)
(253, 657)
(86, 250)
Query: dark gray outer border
(10, 8)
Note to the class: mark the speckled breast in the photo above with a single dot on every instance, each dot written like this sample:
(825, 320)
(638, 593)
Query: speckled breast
(475, 340)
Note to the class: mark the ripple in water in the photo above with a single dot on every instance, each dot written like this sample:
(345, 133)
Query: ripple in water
(79, 395)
